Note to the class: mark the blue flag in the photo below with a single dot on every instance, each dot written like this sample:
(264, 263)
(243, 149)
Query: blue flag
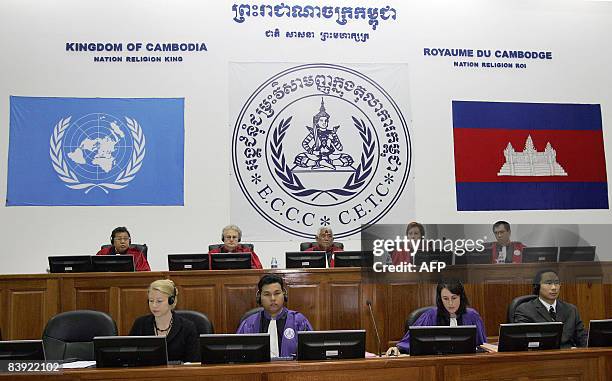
(95, 151)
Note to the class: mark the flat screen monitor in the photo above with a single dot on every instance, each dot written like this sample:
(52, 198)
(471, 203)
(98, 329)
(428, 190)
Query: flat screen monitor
(70, 264)
(577, 254)
(473, 257)
(113, 263)
(354, 258)
(235, 348)
(529, 336)
(180, 262)
(442, 340)
(328, 345)
(125, 351)
(433, 256)
(22, 350)
(230, 261)
(600, 333)
(540, 254)
(305, 260)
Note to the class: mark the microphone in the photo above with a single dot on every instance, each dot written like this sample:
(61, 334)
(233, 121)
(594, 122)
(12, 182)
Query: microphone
(369, 303)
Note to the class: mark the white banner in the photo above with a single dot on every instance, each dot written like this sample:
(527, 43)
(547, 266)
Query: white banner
(319, 145)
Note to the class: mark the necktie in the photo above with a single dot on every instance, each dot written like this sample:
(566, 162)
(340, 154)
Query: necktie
(272, 330)
(552, 313)
(501, 258)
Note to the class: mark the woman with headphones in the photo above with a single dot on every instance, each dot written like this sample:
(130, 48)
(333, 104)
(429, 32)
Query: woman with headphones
(181, 335)
(451, 310)
(231, 235)
(281, 323)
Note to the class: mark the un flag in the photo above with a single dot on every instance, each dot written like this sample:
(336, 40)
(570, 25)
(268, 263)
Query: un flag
(95, 151)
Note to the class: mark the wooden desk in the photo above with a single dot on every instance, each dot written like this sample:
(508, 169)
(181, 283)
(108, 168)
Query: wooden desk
(583, 364)
(330, 298)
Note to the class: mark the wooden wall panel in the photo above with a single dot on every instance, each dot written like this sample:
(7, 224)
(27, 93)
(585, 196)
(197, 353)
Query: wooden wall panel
(236, 300)
(344, 306)
(309, 300)
(550, 370)
(98, 300)
(27, 317)
(401, 300)
(202, 299)
(133, 302)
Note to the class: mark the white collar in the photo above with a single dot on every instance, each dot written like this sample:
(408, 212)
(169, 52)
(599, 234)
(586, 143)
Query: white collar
(554, 305)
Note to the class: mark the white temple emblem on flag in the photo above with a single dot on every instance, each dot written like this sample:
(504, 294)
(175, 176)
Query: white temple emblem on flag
(530, 162)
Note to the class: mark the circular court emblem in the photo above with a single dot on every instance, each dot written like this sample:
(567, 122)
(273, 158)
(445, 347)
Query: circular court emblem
(321, 145)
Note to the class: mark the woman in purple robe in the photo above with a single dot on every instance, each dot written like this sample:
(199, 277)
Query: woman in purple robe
(451, 310)
(282, 324)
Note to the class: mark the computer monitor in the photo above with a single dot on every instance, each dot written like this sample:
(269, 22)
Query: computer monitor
(433, 256)
(230, 261)
(442, 340)
(600, 333)
(305, 260)
(473, 257)
(113, 263)
(328, 345)
(235, 348)
(122, 351)
(354, 258)
(540, 254)
(180, 262)
(22, 350)
(529, 336)
(70, 264)
(577, 254)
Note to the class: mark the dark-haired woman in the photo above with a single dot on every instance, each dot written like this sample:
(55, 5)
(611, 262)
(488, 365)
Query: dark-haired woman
(451, 310)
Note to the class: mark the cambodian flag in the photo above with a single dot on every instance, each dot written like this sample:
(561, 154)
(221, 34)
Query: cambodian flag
(529, 156)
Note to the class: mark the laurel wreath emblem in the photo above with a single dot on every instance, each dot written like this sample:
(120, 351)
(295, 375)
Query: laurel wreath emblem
(72, 181)
(292, 182)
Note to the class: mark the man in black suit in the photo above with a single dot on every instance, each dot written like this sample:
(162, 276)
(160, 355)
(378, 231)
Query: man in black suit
(548, 308)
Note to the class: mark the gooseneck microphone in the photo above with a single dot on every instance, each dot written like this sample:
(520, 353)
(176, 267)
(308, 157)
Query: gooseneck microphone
(369, 303)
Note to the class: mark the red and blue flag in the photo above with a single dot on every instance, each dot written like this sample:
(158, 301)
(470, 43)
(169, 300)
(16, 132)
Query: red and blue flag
(529, 156)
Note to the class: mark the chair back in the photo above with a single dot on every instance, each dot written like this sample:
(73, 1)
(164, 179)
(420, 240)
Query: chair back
(414, 316)
(250, 312)
(307, 245)
(203, 325)
(142, 247)
(69, 335)
(515, 303)
(219, 245)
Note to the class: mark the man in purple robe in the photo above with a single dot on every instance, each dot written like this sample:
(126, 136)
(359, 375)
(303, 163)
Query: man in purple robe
(451, 310)
(281, 323)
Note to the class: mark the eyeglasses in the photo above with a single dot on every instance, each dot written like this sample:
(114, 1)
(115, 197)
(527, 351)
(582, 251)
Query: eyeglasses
(231, 237)
(122, 238)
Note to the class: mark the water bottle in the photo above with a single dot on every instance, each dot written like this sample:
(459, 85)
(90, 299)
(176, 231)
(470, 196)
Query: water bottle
(274, 263)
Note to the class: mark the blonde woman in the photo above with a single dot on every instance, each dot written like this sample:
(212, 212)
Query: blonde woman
(181, 334)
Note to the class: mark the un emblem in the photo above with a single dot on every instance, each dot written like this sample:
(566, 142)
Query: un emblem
(321, 145)
(97, 151)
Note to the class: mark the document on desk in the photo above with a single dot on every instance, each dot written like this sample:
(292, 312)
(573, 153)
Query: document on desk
(489, 347)
(79, 364)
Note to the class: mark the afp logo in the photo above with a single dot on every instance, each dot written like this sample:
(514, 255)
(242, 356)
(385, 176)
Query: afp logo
(321, 145)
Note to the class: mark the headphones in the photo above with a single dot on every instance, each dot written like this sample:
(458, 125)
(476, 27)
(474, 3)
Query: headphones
(273, 279)
(172, 298)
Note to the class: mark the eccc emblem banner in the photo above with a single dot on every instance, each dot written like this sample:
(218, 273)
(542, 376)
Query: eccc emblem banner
(82, 151)
(319, 145)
